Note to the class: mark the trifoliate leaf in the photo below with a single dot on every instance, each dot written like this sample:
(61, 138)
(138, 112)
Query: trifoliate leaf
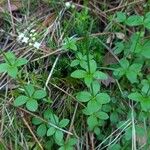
(32, 105)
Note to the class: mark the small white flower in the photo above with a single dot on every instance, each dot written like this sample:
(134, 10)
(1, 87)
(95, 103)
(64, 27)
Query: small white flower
(72, 6)
(37, 45)
(68, 4)
(32, 31)
(21, 35)
(30, 44)
(25, 39)
(31, 35)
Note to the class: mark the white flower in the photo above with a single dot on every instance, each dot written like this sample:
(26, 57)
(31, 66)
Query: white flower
(25, 40)
(21, 35)
(37, 45)
(68, 4)
(30, 44)
(32, 31)
(72, 6)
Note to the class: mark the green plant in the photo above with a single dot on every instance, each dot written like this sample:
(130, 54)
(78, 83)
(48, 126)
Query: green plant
(30, 98)
(11, 64)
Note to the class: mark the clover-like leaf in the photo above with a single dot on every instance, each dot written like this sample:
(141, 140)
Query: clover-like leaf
(32, 105)
(51, 131)
(135, 96)
(103, 98)
(78, 74)
(19, 101)
(63, 123)
(21, 61)
(3, 67)
(41, 130)
(83, 96)
(39, 94)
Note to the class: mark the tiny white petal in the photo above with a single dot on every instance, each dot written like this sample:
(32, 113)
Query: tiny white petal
(37, 45)
(72, 6)
(25, 39)
(31, 35)
(21, 35)
(68, 4)
(30, 44)
(33, 30)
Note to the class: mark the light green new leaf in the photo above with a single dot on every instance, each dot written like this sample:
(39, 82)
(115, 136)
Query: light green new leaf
(95, 87)
(124, 63)
(41, 130)
(83, 96)
(78, 74)
(20, 100)
(51, 131)
(39, 94)
(32, 105)
(10, 57)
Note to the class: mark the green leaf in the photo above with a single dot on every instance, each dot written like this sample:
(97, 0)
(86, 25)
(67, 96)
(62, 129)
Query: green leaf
(29, 90)
(145, 103)
(93, 66)
(72, 141)
(88, 80)
(100, 75)
(78, 74)
(146, 49)
(41, 130)
(103, 98)
(47, 113)
(124, 63)
(36, 121)
(92, 122)
(74, 63)
(63, 123)
(93, 106)
(121, 17)
(54, 119)
(51, 131)
(147, 21)
(10, 58)
(95, 87)
(3, 67)
(102, 115)
(20, 100)
(58, 136)
(21, 61)
(135, 96)
(12, 71)
(39, 94)
(119, 47)
(134, 20)
(32, 105)
(83, 96)
(132, 76)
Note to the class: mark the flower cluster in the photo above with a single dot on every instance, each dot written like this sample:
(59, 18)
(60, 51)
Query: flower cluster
(31, 39)
(69, 5)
